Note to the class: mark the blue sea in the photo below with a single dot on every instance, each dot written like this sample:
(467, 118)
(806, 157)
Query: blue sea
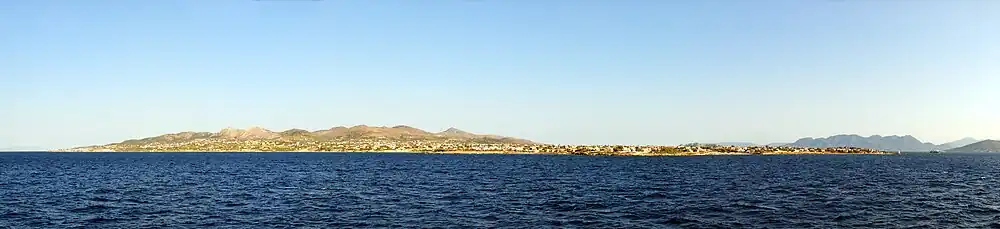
(362, 190)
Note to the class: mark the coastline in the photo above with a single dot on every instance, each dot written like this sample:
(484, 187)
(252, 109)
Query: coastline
(707, 153)
(646, 154)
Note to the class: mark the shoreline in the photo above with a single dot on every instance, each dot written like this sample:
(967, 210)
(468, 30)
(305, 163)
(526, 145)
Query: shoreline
(508, 153)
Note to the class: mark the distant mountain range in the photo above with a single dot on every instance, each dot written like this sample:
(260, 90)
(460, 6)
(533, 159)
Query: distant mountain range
(986, 146)
(906, 143)
(960, 143)
(745, 144)
(740, 144)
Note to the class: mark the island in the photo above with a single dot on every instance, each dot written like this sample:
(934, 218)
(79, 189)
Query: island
(985, 146)
(405, 139)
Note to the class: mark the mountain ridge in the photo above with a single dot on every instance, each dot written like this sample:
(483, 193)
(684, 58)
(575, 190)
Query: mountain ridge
(961, 142)
(740, 144)
(984, 146)
(907, 143)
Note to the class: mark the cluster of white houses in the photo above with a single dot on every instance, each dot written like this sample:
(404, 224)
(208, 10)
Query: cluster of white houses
(389, 145)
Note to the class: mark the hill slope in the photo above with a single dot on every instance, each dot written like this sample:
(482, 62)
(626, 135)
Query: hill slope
(257, 138)
(985, 146)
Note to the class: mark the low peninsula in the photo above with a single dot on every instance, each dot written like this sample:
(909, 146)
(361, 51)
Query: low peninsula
(407, 139)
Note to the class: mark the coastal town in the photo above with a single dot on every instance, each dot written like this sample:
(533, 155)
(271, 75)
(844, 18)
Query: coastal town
(459, 147)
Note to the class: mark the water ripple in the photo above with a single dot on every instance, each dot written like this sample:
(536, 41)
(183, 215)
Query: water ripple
(324, 190)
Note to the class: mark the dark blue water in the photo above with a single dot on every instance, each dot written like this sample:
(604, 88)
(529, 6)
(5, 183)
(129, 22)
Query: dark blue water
(324, 190)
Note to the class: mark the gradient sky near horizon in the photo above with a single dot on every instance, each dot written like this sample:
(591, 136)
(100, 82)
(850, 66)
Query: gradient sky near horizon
(556, 71)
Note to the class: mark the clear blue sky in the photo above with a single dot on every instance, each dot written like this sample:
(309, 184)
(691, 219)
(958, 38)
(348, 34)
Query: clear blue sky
(557, 71)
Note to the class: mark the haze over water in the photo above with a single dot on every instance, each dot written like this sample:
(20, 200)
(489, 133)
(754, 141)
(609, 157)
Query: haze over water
(274, 190)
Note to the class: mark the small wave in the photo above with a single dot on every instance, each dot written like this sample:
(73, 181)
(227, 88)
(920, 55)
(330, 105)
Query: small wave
(678, 221)
(655, 195)
(758, 206)
(453, 197)
(595, 206)
(157, 212)
(562, 206)
(234, 204)
(845, 217)
(14, 215)
(104, 191)
(92, 208)
(99, 199)
(138, 201)
(542, 189)
(580, 222)
(984, 210)
(98, 219)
